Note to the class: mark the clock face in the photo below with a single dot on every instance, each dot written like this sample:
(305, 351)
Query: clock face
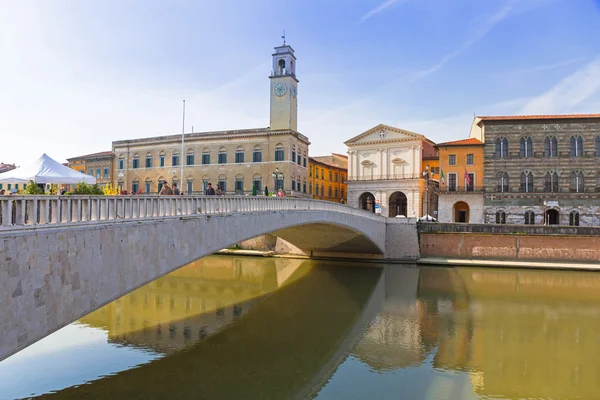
(280, 89)
(294, 92)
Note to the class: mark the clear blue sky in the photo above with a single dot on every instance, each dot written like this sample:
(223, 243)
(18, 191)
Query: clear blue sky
(76, 75)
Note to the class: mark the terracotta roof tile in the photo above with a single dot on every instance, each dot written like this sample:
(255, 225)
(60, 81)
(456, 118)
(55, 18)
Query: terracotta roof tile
(100, 154)
(533, 117)
(462, 142)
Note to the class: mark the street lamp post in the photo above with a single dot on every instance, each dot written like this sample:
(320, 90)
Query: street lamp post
(426, 176)
(276, 177)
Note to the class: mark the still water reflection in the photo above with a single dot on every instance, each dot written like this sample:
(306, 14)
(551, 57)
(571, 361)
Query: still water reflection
(253, 328)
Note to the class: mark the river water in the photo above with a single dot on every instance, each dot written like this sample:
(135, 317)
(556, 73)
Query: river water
(270, 328)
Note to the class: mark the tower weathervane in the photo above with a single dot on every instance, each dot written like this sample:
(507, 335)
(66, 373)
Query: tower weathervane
(283, 37)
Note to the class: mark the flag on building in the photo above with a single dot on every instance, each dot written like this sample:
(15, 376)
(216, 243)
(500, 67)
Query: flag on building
(467, 178)
(443, 178)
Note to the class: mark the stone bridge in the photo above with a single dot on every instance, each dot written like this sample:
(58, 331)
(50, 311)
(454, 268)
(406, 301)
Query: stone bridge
(63, 257)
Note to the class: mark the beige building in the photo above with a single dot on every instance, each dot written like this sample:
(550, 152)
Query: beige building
(236, 160)
(384, 172)
(98, 165)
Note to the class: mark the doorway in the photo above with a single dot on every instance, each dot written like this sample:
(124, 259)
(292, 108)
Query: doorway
(461, 212)
(366, 201)
(552, 217)
(398, 204)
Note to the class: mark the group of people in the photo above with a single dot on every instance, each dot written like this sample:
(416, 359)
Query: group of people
(170, 191)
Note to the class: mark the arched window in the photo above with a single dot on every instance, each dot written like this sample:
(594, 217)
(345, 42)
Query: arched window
(257, 154)
(501, 147)
(222, 156)
(551, 182)
(162, 157)
(239, 184)
(136, 161)
(149, 160)
(576, 146)
(550, 146)
(189, 160)
(577, 181)
(529, 218)
(206, 156)
(190, 185)
(279, 153)
(598, 145)
(526, 147)
(239, 154)
(121, 162)
(205, 182)
(148, 185)
(222, 184)
(574, 218)
(526, 181)
(257, 182)
(502, 181)
(175, 158)
(500, 217)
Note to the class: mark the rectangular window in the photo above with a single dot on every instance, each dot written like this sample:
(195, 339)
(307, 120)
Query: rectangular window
(309, 188)
(16, 186)
(105, 172)
(205, 158)
(222, 157)
(299, 160)
(330, 177)
(162, 161)
(452, 182)
(148, 162)
(329, 192)
(336, 192)
(189, 160)
(323, 174)
(257, 183)
(452, 159)
(239, 156)
(98, 173)
(136, 163)
(279, 155)
(335, 177)
(148, 187)
(135, 187)
(175, 161)
(293, 185)
(257, 155)
(9, 186)
(470, 159)
(121, 164)
(1, 185)
(293, 156)
(304, 162)
(91, 171)
(190, 187)
(304, 187)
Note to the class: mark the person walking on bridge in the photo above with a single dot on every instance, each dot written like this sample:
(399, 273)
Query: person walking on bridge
(210, 191)
(166, 190)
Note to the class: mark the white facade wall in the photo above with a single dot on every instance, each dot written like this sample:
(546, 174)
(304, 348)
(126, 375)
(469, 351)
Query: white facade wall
(448, 200)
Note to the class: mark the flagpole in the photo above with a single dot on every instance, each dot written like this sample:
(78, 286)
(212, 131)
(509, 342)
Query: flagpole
(182, 155)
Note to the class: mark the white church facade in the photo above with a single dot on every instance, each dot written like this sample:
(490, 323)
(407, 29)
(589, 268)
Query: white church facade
(385, 172)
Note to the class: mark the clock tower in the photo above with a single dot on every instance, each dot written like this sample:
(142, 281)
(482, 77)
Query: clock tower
(284, 90)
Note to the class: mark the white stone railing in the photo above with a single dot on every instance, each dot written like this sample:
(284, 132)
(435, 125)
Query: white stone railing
(31, 211)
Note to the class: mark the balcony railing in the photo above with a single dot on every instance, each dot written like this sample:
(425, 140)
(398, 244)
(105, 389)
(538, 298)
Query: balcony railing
(461, 188)
(384, 177)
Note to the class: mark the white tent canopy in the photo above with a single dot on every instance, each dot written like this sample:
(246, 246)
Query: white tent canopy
(46, 170)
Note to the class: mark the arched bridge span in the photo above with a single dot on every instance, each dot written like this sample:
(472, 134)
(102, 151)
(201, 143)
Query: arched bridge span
(63, 257)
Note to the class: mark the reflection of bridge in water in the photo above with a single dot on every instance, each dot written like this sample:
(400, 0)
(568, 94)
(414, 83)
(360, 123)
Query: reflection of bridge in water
(517, 334)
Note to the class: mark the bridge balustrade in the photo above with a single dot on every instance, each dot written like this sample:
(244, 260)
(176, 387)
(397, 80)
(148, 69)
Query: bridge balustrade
(28, 211)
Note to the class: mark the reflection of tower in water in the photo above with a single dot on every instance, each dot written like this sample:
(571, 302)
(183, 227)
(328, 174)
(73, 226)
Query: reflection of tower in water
(191, 303)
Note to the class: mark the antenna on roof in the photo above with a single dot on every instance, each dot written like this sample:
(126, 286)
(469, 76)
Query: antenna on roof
(283, 37)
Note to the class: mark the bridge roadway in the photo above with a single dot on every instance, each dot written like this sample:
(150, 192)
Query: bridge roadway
(62, 257)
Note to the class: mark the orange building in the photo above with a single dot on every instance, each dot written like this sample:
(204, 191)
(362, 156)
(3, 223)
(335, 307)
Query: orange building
(461, 181)
(327, 177)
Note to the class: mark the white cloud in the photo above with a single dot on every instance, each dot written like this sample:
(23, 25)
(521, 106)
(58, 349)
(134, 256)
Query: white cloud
(545, 67)
(570, 92)
(383, 6)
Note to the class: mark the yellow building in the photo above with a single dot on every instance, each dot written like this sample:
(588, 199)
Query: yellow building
(98, 165)
(327, 177)
(275, 157)
(461, 181)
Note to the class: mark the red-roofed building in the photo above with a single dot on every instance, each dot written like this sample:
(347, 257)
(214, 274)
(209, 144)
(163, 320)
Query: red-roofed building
(98, 165)
(541, 169)
(327, 177)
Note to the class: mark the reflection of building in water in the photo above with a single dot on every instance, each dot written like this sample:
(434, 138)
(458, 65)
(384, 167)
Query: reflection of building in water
(524, 334)
(393, 339)
(191, 303)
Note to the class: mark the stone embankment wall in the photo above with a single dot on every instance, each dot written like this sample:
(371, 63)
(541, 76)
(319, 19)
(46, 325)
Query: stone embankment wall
(510, 243)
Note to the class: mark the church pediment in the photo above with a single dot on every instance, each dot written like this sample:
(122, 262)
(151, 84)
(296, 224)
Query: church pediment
(384, 133)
